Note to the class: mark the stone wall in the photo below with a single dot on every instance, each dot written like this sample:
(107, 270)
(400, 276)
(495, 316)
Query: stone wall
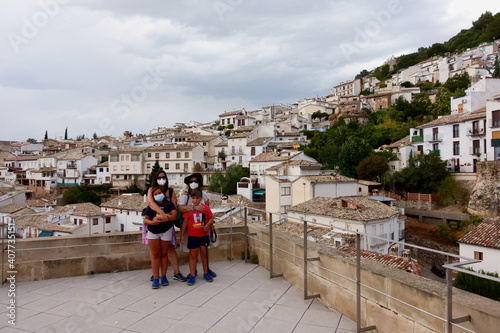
(55, 257)
(428, 258)
(333, 278)
(485, 197)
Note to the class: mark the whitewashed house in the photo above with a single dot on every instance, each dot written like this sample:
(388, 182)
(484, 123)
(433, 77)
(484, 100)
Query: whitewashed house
(461, 138)
(260, 163)
(348, 215)
(128, 211)
(78, 219)
(483, 243)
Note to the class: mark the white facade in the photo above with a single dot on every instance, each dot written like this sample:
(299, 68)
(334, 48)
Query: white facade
(13, 198)
(390, 226)
(71, 168)
(262, 162)
(493, 127)
(102, 174)
(476, 96)
(489, 263)
(128, 211)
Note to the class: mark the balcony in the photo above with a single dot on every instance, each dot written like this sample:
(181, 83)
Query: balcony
(494, 123)
(101, 283)
(417, 138)
(475, 151)
(476, 132)
(434, 138)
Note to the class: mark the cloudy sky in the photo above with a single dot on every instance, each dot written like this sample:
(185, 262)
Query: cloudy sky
(106, 66)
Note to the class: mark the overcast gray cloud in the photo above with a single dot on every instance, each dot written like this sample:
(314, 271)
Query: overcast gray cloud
(108, 66)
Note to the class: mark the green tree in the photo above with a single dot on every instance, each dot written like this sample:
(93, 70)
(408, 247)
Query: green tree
(423, 174)
(459, 81)
(442, 106)
(407, 84)
(351, 154)
(80, 137)
(383, 72)
(226, 183)
(31, 140)
(319, 115)
(66, 134)
(156, 168)
(46, 137)
(452, 192)
(478, 285)
(134, 188)
(81, 194)
(372, 168)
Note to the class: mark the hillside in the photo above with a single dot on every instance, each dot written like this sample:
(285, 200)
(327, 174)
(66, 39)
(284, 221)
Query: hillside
(484, 30)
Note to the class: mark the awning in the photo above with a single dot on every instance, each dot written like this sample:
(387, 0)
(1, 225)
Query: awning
(45, 233)
(259, 192)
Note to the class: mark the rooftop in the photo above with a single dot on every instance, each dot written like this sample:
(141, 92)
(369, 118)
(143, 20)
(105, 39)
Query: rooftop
(242, 298)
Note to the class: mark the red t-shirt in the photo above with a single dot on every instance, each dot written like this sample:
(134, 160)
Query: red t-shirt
(196, 221)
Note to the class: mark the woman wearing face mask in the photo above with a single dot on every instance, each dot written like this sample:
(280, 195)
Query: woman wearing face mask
(194, 181)
(160, 180)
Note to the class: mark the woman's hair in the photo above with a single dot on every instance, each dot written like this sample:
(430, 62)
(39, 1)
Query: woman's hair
(154, 181)
(197, 193)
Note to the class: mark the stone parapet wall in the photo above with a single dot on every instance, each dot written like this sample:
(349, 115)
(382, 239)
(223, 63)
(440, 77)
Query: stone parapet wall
(333, 278)
(56, 257)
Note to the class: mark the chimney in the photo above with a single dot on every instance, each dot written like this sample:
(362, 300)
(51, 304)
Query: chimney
(406, 255)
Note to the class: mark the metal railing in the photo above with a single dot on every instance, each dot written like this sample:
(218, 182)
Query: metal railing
(315, 262)
(450, 267)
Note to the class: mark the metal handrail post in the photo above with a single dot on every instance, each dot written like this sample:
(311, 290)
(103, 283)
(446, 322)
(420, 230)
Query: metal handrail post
(358, 282)
(358, 288)
(271, 245)
(305, 259)
(246, 235)
(449, 296)
(231, 241)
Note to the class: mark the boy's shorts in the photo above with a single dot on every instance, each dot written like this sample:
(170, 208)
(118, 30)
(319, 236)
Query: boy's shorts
(164, 236)
(196, 242)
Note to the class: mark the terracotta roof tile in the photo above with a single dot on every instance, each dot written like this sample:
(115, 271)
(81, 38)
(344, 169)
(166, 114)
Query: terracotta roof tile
(386, 259)
(126, 202)
(355, 208)
(331, 178)
(486, 234)
(274, 156)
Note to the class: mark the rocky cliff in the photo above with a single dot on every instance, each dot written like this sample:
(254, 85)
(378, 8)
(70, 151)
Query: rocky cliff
(485, 197)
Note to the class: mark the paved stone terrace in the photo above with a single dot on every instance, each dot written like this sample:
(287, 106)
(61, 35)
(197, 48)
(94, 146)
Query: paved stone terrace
(242, 298)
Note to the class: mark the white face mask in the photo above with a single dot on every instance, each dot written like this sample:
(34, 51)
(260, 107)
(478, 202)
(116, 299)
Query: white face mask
(193, 186)
(161, 182)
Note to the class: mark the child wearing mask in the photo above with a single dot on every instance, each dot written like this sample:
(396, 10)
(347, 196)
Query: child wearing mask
(159, 235)
(185, 204)
(197, 223)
